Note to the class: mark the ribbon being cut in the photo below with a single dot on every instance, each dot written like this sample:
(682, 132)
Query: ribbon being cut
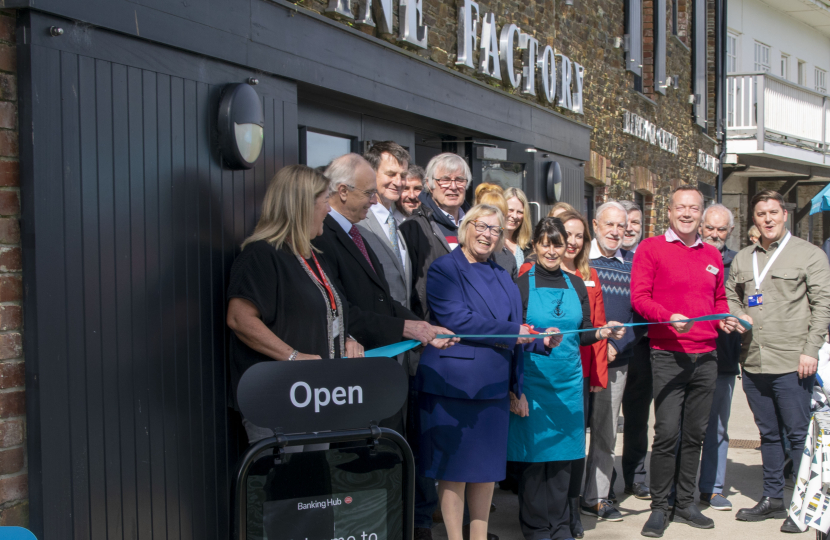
(398, 348)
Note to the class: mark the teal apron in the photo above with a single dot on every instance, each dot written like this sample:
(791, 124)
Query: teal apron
(555, 429)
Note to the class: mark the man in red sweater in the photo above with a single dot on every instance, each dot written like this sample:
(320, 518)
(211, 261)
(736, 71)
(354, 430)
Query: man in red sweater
(675, 277)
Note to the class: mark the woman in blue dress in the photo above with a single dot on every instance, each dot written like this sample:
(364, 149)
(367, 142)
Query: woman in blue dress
(463, 402)
(547, 429)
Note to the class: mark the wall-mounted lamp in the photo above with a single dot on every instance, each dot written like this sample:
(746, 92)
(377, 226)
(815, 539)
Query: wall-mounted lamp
(692, 99)
(240, 126)
(618, 42)
(530, 150)
(553, 182)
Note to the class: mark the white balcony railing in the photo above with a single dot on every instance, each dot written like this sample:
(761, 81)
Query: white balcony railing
(766, 107)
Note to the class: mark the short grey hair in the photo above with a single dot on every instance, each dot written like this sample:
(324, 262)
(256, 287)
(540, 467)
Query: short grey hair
(478, 211)
(342, 170)
(630, 206)
(416, 171)
(721, 208)
(611, 204)
(447, 162)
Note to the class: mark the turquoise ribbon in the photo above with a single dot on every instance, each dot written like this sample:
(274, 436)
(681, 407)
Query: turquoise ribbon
(397, 348)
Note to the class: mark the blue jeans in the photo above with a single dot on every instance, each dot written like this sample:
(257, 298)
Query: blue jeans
(716, 443)
(779, 398)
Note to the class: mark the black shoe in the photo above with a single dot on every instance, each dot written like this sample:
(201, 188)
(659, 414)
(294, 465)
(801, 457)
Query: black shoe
(423, 534)
(789, 526)
(577, 530)
(639, 490)
(691, 516)
(767, 508)
(492, 507)
(656, 524)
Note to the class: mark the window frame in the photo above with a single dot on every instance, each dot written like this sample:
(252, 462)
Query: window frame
(764, 55)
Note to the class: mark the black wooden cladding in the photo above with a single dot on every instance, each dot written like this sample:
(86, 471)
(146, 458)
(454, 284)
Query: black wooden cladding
(130, 227)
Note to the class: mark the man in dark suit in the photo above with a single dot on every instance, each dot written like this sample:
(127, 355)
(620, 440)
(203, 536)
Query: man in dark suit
(355, 269)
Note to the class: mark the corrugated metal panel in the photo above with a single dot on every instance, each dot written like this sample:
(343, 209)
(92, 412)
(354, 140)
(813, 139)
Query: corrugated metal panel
(132, 225)
(573, 187)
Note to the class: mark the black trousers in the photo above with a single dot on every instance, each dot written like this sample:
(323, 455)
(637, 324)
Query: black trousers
(636, 408)
(578, 465)
(683, 388)
(776, 400)
(543, 500)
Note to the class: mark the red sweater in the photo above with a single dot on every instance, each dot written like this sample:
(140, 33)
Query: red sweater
(669, 278)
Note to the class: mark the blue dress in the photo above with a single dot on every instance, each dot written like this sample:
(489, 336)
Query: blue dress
(463, 402)
(555, 428)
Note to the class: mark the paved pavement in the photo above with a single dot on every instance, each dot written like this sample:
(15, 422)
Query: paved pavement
(743, 488)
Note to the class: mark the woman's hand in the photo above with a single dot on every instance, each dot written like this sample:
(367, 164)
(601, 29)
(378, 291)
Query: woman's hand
(443, 343)
(519, 406)
(612, 330)
(303, 356)
(524, 330)
(595, 389)
(353, 349)
(552, 342)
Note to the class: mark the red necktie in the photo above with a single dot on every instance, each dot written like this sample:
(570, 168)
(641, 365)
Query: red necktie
(358, 240)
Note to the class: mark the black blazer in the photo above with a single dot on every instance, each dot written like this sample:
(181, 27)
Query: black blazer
(375, 319)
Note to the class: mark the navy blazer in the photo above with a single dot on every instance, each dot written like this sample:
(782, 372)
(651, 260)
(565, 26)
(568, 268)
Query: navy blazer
(482, 368)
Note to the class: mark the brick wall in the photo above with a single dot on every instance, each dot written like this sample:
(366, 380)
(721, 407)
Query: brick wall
(586, 33)
(14, 506)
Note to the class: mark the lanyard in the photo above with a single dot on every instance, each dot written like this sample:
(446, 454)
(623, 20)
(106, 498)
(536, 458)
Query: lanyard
(760, 278)
(324, 282)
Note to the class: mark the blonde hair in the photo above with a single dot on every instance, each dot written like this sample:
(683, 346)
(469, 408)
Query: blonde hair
(493, 195)
(525, 232)
(753, 231)
(581, 259)
(288, 209)
(479, 211)
(561, 206)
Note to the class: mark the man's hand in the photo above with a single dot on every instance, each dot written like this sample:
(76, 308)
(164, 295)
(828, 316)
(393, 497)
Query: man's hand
(551, 342)
(683, 327)
(419, 330)
(807, 365)
(747, 318)
(612, 330)
(612, 354)
(353, 349)
(525, 331)
(731, 324)
(443, 343)
(303, 356)
(519, 406)
(595, 389)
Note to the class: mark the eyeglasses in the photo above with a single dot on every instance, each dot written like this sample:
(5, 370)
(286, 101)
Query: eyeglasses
(494, 230)
(447, 181)
(368, 192)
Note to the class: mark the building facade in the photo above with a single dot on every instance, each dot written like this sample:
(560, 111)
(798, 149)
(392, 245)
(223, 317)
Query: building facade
(778, 57)
(130, 220)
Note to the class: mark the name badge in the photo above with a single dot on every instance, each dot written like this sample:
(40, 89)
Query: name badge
(712, 270)
(590, 284)
(755, 300)
(335, 327)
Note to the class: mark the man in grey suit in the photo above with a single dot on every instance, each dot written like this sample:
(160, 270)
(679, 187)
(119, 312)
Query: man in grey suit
(380, 228)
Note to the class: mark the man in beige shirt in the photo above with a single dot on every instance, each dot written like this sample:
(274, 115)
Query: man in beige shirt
(782, 286)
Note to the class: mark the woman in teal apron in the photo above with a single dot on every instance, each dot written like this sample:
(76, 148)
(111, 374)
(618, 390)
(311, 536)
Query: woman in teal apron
(547, 431)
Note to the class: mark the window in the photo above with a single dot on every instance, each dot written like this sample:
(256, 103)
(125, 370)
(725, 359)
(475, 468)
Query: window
(761, 57)
(785, 66)
(699, 52)
(731, 53)
(802, 73)
(319, 149)
(634, 34)
(588, 202)
(674, 17)
(660, 83)
(821, 81)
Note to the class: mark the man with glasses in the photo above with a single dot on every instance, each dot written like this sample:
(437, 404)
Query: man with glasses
(718, 224)
(675, 277)
(432, 230)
